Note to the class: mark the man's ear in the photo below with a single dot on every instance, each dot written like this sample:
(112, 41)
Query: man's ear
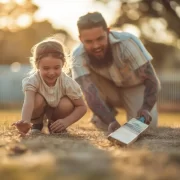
(80, 37)
(108, 30)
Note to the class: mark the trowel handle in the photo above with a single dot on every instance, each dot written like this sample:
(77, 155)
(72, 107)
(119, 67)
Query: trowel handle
(142, 119)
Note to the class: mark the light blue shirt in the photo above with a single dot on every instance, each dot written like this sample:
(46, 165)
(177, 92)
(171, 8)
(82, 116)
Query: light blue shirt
(128, 54)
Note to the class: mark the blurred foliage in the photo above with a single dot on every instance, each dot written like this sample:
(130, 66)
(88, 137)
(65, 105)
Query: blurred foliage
(13, 12)
(19, 31)
(157, 22)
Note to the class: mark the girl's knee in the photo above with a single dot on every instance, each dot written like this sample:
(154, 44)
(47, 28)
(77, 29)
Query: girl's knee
(39, 101)
(65, 103)
(38, 111)
(65, 106)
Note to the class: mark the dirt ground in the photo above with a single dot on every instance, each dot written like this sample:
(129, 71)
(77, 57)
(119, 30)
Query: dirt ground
(84, 153)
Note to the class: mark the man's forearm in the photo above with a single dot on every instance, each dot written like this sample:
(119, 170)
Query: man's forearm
(152, 86)
(95, 103)
(150, 95)
(27, 110)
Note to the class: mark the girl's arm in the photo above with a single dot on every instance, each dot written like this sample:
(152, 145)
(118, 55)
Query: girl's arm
(24, 124)
(79, 111)
(28, 106)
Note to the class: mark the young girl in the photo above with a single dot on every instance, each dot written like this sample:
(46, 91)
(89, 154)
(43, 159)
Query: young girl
(49, 91)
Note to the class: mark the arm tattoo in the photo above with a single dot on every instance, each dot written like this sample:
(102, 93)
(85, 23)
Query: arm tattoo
(152, 85)
(95, 103)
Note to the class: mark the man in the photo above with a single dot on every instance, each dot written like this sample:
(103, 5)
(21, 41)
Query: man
(114, 70)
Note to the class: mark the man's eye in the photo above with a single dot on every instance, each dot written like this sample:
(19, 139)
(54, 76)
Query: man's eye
(46, 69)
(88, 42)
(101, 38)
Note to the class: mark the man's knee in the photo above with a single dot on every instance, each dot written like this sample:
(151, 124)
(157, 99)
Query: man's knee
(154, 115)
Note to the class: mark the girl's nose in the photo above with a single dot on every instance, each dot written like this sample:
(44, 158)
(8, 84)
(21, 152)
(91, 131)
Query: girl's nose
(51, 72)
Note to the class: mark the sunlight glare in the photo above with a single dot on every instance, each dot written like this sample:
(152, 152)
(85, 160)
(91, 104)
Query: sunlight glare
(3, 22)
(4, 1)
(20, 2)
(178, 43)
(24, 20)
(64, 14)
(178, 11)
(15, 67)
(131, 29)
(155, 29)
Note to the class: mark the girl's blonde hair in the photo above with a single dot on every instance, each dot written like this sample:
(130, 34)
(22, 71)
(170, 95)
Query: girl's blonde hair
(49, 46)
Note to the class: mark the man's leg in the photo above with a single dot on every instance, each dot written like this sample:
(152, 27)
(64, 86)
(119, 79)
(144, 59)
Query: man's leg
(109, 93)
(133, 100)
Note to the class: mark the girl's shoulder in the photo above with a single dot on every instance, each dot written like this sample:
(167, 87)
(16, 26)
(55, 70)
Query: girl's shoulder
(66, 78)
(32, 79)
(70, 87)
(67, 81)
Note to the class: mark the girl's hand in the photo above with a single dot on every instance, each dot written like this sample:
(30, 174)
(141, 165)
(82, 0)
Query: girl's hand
(58, 126)
(23, 127)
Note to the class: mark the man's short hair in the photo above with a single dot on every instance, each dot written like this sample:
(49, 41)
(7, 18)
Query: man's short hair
(91, 20)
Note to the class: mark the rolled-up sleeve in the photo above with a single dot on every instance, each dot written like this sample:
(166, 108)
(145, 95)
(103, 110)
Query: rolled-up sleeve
(29, 84)
(72, 88)
(78, 65)
(135, 52)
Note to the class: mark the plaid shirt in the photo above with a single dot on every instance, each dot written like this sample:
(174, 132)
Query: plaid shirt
(128, 55)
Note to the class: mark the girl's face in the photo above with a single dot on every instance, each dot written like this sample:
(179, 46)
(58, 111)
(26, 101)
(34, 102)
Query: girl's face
(50, 69)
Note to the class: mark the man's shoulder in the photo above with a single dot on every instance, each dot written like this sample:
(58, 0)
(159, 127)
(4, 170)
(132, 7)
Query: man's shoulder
(118, 36)
(78, 50)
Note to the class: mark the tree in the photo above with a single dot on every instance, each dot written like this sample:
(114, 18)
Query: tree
(158, 22)
(19, 31)
(14, 15)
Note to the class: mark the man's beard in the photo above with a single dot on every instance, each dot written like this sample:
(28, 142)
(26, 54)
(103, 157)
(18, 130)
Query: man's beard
(103, 62)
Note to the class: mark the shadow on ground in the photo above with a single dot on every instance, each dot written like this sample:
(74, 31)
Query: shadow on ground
(85, 153)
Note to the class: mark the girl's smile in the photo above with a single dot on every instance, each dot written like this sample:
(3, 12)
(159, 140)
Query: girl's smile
(50, 69)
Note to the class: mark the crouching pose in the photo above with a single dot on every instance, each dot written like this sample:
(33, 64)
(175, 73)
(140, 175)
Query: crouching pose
(49, 91)
(114, 70)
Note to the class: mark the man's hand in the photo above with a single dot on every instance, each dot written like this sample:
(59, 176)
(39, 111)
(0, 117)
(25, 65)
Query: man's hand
(113, 127)
(58, 126)
(146, 114)
(23, 127)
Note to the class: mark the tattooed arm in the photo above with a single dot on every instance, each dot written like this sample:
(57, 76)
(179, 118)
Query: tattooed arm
(95, 103)
(152, 86)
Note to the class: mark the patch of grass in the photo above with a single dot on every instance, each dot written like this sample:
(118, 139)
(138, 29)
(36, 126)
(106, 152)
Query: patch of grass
(85, 153)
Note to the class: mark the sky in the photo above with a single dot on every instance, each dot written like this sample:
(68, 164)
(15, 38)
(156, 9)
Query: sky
(65, 13)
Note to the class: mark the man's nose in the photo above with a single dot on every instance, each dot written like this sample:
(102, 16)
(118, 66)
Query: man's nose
(96, 45)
